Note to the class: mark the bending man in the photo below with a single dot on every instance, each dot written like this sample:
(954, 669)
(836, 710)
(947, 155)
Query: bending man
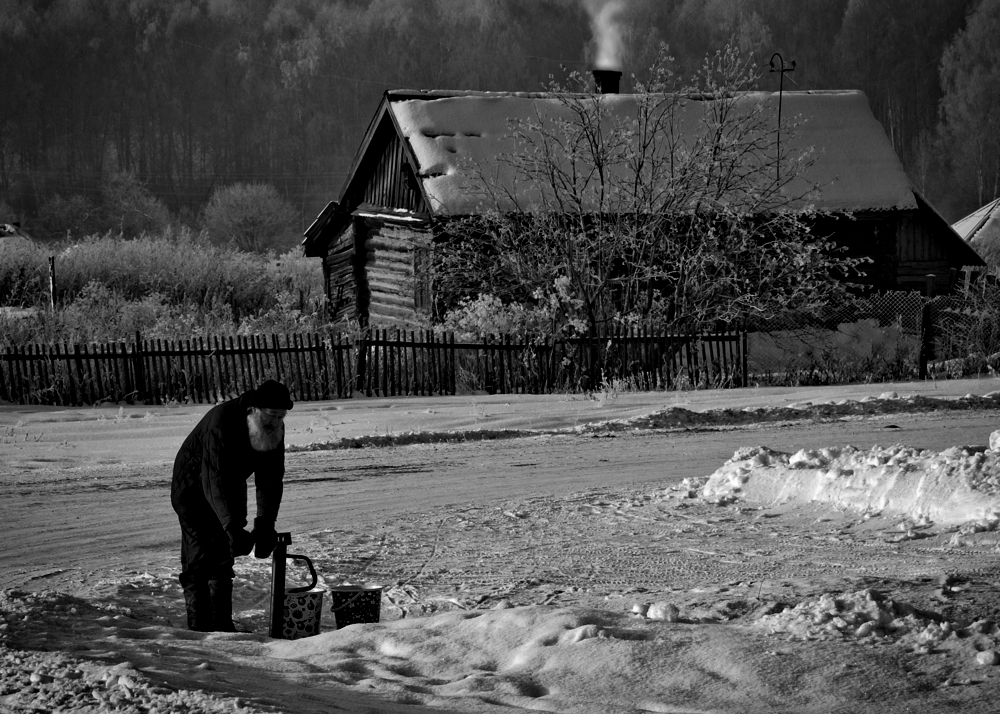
(209, 494)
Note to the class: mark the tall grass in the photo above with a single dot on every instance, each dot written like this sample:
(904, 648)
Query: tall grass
(170, 286)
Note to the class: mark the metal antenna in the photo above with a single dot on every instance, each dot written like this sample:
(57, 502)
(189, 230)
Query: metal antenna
(780, 69)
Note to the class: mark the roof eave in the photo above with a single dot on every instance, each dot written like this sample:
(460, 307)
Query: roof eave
(959, 247)
(314, 243)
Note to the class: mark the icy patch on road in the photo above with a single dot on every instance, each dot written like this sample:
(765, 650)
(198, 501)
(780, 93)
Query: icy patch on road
(959, 485)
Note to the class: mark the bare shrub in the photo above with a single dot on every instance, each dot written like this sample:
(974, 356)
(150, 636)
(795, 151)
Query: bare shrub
(967, 329)
(129, 208)
(171, 286)
(23, 272)
(254, 216)
(124, 207)
(65, 217)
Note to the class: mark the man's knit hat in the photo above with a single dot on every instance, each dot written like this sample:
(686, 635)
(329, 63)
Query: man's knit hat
(271, 395)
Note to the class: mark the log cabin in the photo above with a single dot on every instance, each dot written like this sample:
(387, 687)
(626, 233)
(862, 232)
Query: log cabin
(413, 171)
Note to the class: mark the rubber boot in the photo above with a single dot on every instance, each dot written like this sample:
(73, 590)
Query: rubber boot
(221, 592)
(198, 602)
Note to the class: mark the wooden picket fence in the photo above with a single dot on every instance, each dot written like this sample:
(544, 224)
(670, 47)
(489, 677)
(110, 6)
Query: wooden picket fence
(379, 363)
(176, 371)
(625, 359)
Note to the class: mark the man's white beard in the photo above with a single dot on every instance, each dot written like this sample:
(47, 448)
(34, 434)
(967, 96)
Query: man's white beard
(264, 437)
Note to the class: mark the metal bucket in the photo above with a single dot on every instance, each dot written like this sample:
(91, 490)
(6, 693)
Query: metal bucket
(353, 604)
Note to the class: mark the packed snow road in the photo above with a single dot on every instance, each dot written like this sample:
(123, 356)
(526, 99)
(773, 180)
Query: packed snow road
(65, 513)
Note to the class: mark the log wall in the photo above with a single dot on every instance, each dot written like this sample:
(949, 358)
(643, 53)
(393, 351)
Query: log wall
(390, 251)
(921, 254)
(341, 289)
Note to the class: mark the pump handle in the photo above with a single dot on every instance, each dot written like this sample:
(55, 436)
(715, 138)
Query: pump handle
(312, 573)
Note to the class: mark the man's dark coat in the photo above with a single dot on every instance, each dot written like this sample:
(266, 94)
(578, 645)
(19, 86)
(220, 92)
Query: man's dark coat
(209, 489)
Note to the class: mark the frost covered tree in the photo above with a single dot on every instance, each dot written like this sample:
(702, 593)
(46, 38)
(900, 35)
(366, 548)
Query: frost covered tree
(970, 76)
(625, 219)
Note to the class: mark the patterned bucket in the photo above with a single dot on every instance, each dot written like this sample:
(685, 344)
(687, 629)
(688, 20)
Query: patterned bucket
(352, 604)
(302, 613)
(303, 605)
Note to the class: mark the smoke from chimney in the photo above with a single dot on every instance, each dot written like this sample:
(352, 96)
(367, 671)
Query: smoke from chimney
(607, 32)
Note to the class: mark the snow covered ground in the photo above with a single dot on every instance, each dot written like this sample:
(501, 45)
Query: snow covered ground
(816, 579)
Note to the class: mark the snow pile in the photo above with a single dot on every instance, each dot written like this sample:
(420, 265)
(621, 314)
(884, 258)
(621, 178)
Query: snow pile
(860, 614)
(544, 659)
(869, 614)
(886, 403)
(497, 656)
(44, 681)
(959, 485)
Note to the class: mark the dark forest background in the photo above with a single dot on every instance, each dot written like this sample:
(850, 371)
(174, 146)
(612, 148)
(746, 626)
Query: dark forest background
(187, 96)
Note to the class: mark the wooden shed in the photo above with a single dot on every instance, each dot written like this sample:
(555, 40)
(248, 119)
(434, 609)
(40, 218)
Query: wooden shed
(412, 174)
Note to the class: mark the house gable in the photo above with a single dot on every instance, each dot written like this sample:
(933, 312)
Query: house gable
(374, 239)
(382, 179)
(386, 180)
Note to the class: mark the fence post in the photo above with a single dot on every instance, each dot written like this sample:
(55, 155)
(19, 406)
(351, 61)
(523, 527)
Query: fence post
(362, 357)
(744, 360)
(926, 339)
(138, 374)
(15, 375)
(453, 383)
(4, 360)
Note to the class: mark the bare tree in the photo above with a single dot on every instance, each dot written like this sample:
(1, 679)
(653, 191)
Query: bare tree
(253, 216)
(672, 212)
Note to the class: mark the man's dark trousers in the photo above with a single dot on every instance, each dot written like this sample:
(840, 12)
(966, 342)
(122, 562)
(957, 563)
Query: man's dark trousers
(206, 574)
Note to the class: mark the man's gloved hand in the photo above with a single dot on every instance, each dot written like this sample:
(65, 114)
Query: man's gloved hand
(241, 542)
(264, 536)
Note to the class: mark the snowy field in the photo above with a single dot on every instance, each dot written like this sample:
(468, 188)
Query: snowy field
(816, 550)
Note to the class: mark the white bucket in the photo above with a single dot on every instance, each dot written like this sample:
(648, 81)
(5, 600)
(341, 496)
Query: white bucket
(302, 613)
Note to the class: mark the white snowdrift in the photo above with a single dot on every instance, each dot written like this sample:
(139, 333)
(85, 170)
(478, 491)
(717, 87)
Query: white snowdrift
(959, 485)
(548, 659)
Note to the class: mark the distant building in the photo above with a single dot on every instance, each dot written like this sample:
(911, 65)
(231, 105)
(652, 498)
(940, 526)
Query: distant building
(412, 172)
(981, 226)
(12, 229)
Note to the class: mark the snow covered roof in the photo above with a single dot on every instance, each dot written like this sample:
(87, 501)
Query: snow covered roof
(980, 225)
(12, 229)
(449, 133)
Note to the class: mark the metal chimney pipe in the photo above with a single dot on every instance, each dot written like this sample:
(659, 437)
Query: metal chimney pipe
(607, 81)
